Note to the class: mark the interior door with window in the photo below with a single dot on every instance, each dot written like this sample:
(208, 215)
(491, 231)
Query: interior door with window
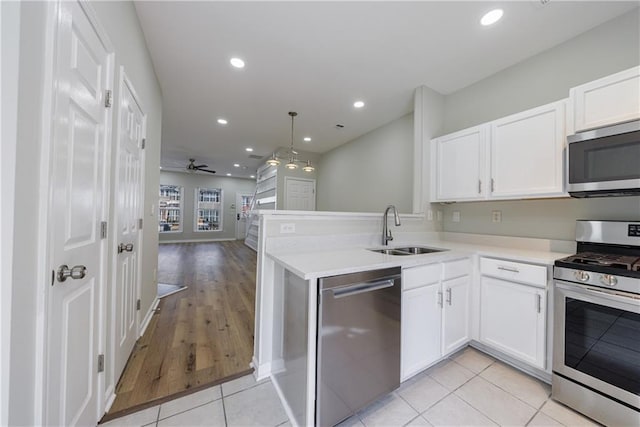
(77, 207)
(127, 236)
(243, 204)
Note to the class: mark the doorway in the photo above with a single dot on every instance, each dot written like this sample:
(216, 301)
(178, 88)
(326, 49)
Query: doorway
(243, 204)
(299, 194)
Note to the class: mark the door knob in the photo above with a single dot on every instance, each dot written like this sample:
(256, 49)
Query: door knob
(77, 272)
(122, 247)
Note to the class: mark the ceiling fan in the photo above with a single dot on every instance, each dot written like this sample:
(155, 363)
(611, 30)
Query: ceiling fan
(193, 167)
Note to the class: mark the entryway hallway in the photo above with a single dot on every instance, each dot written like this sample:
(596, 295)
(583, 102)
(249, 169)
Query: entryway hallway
(198, 337)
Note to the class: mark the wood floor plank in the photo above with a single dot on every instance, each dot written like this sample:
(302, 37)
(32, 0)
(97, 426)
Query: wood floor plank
(200, 335)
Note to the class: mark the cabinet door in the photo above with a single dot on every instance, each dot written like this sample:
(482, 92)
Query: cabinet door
(606, 101)
(455, 316)
(420, 329)
(458, 165)
(526, 153)
(512, 319)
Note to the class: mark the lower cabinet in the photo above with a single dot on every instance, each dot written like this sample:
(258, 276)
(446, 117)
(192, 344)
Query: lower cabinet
(421, 320)
(512, 319)
(455, 313)
(435, 313)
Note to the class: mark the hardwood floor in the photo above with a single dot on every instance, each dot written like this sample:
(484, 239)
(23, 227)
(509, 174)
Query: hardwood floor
(199, 336)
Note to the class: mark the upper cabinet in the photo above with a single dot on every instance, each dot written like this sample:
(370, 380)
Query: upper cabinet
(516, 157)
(458, 161)
(606, 101)
(526, 153)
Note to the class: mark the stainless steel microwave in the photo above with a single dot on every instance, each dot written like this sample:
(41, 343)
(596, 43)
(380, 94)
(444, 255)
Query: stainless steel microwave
(605, 161)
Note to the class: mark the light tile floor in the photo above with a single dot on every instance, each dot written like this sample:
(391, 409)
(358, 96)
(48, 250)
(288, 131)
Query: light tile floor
(469, 388)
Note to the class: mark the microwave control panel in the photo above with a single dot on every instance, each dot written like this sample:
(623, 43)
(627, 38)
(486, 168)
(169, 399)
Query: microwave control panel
(634, 230)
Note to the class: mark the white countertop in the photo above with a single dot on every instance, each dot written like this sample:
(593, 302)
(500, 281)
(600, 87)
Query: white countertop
(321, 263)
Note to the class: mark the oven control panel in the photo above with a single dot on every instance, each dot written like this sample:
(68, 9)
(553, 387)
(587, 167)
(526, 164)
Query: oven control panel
(634, 230)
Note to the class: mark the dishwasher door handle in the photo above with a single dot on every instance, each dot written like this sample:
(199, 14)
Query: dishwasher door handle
(358, 288)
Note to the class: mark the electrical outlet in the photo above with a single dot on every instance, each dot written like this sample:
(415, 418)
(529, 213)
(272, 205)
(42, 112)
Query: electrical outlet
(439, 215)
(430, 215)
(455, 217)
(287, 228)
(496, 216)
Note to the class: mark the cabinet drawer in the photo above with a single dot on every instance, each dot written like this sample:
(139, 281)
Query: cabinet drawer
(457, 268)
(515, 271)
(415, 277)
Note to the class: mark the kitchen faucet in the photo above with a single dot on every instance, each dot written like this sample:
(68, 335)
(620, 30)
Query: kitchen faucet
(386, 233)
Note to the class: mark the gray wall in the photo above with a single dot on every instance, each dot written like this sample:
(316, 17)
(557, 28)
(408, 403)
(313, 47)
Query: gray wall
(370, 172)
(121, 24)
(609, 48)
(189, 182)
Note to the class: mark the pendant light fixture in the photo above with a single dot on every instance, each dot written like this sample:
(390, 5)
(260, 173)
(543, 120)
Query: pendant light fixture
(291, 155)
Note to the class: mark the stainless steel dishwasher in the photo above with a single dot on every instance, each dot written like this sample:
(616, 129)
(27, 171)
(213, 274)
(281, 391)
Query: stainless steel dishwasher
(358, 342)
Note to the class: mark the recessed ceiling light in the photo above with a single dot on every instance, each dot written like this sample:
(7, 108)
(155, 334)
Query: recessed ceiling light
(491, 17)
(237, 62)
(307, 139)
(160, 167)
(358, 104)
(235, 165)
(252, 176)
(222, 121)
(249, 149)
(228, 174)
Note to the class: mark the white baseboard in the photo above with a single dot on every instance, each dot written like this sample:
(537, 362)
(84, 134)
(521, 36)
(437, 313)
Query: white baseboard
(283, 400)
(226, 239)
(260, 372)
(147, 317)
(110, 400)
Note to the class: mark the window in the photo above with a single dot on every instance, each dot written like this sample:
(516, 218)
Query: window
(208, 208)
(170, 209)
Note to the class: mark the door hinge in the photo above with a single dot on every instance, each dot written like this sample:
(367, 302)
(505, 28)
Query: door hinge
(103, 230)
(100, 363)
(144, 143)
(108, 98)
(140, 222)
(138, 305)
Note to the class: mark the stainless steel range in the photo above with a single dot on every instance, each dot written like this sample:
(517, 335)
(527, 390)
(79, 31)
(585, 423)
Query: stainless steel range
(596, 342)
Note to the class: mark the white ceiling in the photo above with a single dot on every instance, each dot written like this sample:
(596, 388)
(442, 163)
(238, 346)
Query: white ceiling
(317, 58)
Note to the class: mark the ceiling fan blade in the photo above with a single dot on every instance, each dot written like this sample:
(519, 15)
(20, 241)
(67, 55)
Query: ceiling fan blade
(200, 166)
(206, 170)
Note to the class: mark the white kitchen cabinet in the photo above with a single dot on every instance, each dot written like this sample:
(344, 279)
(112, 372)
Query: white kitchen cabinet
(606, 101)
(421, 319)
(435, 313)
(513, 319)
(455, 313)
(458, 165)
(526, 153)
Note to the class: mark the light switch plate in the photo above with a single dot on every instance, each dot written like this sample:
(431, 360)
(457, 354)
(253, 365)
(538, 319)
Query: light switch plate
(496, 216)
(430, 215)
(455, 217)
(288, 228)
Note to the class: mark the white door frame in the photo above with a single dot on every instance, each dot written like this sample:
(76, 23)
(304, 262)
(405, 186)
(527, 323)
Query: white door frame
(44, 197)
(293, 178)
(110, 383)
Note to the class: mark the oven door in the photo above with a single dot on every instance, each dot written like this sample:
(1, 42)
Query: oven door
(596, 340)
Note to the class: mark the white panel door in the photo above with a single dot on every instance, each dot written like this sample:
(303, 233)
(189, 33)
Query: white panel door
(128, 200)
(420, 336)
(460, 165)
(299, 194)
(77, 207)
(526, 153)
(512, 319)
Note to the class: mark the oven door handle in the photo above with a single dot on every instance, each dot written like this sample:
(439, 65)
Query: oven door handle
(598, 292)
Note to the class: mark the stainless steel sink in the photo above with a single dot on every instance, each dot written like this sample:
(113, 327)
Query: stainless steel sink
(409, 250)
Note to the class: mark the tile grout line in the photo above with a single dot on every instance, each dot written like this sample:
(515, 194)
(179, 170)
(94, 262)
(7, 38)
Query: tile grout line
(224, 410)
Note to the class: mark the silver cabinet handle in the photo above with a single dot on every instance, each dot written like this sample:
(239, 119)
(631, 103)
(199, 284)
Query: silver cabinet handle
(539, 303)
(449, 296)
(479, 186)
(440, 298)
(513, 270)
(76, 272)
(122, 247)
(492, 185)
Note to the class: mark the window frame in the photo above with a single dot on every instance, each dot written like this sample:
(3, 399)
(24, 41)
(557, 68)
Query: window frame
(180, 208)
(197, 208)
